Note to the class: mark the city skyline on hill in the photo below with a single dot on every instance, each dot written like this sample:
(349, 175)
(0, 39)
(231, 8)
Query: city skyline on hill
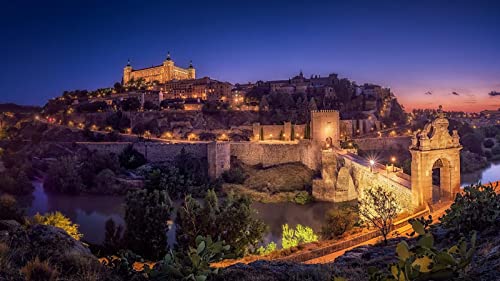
(428, 53)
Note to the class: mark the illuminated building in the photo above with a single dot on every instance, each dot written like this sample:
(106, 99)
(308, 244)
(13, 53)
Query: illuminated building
(163, 73)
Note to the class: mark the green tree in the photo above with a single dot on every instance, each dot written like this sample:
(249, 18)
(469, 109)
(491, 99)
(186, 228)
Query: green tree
(232, 220)
(63, 176)
(146, 216)
(379, 207)
(57, 219)
(476, 208)
(112, 237)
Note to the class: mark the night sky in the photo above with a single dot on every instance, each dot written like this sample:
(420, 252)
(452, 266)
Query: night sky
(438, 46)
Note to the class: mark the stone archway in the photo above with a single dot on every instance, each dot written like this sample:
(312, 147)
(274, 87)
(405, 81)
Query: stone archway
(434, 148)
(441, 180)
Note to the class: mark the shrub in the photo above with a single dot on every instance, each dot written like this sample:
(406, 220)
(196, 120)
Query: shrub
(337, 222)
(57, 219)
(294, 237)
(423, 261)
(232, 220)
(473, 142)
(37, 270)
(271, 247)
(302, 198)
(9, 209)
(474, 209)
(488, 143)
(195, 264)
(131, 158)
(112, 237)
(234, 175)
(63, 176)
(146, 216)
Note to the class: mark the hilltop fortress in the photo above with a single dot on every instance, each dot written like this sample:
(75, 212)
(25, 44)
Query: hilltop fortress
(163, 73)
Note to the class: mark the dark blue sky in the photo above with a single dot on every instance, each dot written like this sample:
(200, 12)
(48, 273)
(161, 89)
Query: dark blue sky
(414, 47)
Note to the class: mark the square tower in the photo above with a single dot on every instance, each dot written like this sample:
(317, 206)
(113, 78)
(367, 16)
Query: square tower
(325, 127)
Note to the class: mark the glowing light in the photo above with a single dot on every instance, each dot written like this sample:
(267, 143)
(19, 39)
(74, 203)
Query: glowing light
(372, 162)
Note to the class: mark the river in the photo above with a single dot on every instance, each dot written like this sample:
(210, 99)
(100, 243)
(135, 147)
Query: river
(91, 212)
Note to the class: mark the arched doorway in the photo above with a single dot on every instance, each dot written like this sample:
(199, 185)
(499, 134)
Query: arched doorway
(435, 149)
(441, 174)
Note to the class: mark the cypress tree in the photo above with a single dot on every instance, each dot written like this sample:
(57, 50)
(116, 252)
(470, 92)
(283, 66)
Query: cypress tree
(292, 133)
(261, 135)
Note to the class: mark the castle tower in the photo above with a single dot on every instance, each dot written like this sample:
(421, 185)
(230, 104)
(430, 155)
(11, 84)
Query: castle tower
(191, 71)
(325, 126)
(168, 69)
(127, 72)
(435, 148)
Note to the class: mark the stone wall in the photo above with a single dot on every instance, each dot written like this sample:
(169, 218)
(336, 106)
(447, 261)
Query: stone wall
(386, 143)
(219, 158)
(153, 151)
(270, 154)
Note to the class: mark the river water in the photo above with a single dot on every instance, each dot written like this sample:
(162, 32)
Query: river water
(92, 211)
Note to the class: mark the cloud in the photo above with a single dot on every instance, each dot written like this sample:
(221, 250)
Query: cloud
(455, 93)
(428, 93)
(494, 93)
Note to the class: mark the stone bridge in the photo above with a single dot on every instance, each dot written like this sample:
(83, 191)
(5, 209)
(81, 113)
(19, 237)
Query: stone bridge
(345, 175)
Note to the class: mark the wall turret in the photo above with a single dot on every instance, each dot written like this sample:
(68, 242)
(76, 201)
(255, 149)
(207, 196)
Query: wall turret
(191, 71)
(127, 72)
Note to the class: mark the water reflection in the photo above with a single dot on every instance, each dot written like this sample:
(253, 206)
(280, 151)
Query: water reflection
(90, 212)
(487, 175)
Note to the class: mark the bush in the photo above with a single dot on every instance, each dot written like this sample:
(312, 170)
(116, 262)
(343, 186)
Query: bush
(474, 209)
(194, 264)
(337, 222)
(146, 216)
(63, 176)
(232, 220)
(262, 251)
(473, 143)
(57, 219)
(15, 181)
(131, 158)
(9, 209)
(112, 237)
(294, 237)
(37, 270)
(131, 104)
(423, 261)
(234, 175)
(488, 143)
(302, 198)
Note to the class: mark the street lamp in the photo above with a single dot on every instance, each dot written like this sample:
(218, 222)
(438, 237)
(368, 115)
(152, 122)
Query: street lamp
(372, 162)
(393, 160)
